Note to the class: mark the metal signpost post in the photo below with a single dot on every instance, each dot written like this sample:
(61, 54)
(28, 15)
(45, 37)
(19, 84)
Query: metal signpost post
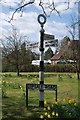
(41, 87)
(41, 74)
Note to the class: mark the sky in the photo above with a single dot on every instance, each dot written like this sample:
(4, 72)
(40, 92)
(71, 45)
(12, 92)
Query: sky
(28, 25)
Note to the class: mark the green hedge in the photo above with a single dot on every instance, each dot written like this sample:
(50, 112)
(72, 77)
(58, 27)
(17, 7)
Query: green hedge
(60, 68)
(47, 68)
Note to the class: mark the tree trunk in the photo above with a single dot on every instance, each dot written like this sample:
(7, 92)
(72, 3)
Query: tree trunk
(78, 77)
(78, 70)
(17, 70)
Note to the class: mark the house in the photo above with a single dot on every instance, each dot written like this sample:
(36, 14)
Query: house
(56, 58)
(60, 57)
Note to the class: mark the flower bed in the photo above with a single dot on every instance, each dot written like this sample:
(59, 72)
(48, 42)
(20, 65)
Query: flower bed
(66, 108)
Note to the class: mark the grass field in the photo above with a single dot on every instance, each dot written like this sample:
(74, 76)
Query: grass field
(14, 102)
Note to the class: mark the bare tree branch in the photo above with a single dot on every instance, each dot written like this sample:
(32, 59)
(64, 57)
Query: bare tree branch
(19, 9)
(54, 9)
(41, 5)
(68, 5)
(51, 6)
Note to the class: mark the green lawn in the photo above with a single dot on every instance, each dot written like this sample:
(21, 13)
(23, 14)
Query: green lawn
(14, 102)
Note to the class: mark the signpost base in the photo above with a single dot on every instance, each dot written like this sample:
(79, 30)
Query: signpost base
(40, 88)
(41, 104)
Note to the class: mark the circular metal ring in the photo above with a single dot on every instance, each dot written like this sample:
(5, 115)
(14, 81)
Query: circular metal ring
(44, 19)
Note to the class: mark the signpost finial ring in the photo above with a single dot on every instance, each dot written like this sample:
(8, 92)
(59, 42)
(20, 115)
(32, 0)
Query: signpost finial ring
(41, 21)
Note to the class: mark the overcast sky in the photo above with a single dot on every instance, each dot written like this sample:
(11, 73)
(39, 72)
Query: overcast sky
(28, 24)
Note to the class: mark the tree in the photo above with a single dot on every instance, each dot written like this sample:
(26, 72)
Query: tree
(27, 57)
(70, 49)
(63, 46)
(74, 54)
(48, 54)
(73, 50)
(14, 50)
(48, 5)
(72, 29)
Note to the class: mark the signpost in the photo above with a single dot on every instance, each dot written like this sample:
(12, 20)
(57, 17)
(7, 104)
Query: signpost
(41, 72)
(48, 37)
(41, 87)
(53, 43)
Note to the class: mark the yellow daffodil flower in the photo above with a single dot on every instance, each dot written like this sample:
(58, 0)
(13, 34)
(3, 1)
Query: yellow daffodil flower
(53, 113)
(56, 114)
(45, 113)
(49, 116)
(44, 108)
(56, 103)
(45, 102)
(41, 116)
(48, 108)
(64, 100)
(70, 101)
(75, 104)
(21, 87)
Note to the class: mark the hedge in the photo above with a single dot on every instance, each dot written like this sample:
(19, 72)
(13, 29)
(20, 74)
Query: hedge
(47, 68)
(60, 68)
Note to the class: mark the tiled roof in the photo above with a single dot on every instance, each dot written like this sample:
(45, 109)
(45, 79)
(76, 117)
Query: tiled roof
(75, 44)
(56, 56)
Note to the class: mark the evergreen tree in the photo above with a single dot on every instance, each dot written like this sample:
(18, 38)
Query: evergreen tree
(48, 54)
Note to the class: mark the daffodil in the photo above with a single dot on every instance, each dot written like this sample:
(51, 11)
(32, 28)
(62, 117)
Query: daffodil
(75, 104)
(44, 108)
(64, 100)
(41, 116)
(56, 103)
(49, 116)
(45, 113)
(45, 102)
(48, 108)
(21, 87)
(56, 114)
(70, 101)
(53, 113)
